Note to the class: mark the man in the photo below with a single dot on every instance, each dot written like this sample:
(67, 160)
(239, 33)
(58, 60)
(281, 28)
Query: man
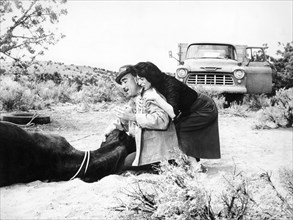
(155, 136)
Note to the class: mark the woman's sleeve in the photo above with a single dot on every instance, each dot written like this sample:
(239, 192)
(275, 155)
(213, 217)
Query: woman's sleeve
(172, 95)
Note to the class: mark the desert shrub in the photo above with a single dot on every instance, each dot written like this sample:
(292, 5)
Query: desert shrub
(47, 90)
(235, 197)
(15, 96)
(286, 177)
(256, 102)
(103, 91)
(278, 206)
(239, 110)
(283, 77)
(66, 92)
(54, 93)
(10, 94)
(179, 192)
(249, 102)
(280, 111)
(36, 91)
(220, 101)
(31, 100)
(44, 77)
(175, 194)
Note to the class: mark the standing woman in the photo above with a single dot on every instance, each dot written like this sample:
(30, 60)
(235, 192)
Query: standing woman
(195, 114)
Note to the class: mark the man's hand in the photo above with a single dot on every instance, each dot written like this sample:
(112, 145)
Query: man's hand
(124, 114)
(111, 127)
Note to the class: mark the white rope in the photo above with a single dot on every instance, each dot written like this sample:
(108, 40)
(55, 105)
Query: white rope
(88, 161)
(34, 116)
(84, 137)
(86, 156)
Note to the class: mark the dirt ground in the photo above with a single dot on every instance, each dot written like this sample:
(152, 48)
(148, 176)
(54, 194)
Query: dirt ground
(247, 149)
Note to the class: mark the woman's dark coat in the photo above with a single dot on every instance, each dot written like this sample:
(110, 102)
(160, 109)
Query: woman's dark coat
(196, 121)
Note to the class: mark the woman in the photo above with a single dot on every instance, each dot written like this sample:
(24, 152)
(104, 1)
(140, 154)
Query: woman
(195, 115)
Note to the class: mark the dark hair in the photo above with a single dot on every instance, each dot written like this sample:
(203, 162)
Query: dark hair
(149, 71)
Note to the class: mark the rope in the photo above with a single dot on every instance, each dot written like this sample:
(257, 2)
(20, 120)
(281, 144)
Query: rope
(35, 115)
(84, 137)
(86, 157)
(88, 161)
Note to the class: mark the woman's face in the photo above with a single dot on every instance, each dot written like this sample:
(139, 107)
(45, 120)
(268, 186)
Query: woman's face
(142, 81)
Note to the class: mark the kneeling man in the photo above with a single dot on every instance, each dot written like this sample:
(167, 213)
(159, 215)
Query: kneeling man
(154, 132)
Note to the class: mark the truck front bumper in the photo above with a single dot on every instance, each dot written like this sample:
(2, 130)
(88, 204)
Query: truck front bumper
(220, 89)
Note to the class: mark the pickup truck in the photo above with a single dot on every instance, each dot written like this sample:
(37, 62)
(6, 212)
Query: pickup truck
(232, 70)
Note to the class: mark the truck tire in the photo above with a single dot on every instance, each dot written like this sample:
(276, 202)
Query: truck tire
(24, 118)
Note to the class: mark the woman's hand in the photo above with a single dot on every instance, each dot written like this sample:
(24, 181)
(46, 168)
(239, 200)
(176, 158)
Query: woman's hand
(153, 98)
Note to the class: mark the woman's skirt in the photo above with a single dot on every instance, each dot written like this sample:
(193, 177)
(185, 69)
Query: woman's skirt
(198, 131)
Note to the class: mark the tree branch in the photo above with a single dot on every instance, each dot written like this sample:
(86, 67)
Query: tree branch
(30, 19)
(6, 54)
(33, 38)
(23, 18)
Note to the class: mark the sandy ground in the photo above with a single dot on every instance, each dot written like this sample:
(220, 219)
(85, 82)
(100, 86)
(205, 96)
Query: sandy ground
(249, 150)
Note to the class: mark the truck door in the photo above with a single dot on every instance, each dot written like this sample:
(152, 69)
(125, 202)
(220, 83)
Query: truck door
(258, 70)
(182, 51)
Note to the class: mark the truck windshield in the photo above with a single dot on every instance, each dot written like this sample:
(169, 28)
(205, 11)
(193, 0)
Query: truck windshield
(202, 51)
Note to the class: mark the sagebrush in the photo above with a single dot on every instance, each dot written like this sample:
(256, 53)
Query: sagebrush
(280, 111)
(179, 192)
(37, 91)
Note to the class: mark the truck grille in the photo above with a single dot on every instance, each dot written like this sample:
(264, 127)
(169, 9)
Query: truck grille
(204, 79)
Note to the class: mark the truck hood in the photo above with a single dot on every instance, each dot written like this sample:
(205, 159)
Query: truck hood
(219, 65)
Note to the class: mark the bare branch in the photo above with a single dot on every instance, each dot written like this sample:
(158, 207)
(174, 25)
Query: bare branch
(33, 38)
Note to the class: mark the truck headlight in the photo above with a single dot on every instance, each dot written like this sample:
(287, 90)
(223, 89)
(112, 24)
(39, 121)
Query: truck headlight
(181, 73)
(239, 74)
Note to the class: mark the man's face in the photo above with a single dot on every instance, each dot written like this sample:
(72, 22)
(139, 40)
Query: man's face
(129, 85)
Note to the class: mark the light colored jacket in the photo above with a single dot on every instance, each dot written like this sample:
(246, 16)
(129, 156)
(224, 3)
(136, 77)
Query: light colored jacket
(155, 134)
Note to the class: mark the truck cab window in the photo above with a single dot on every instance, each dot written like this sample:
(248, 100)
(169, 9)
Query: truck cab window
(258, 55)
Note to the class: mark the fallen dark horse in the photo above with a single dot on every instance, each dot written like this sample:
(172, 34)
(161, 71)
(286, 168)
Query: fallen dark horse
(29, 156)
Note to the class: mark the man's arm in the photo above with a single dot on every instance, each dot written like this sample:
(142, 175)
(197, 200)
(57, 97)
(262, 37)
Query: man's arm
(119, 123)
(154, 117)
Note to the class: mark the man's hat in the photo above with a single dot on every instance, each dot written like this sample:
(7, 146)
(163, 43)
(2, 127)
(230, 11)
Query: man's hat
(123, 70)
